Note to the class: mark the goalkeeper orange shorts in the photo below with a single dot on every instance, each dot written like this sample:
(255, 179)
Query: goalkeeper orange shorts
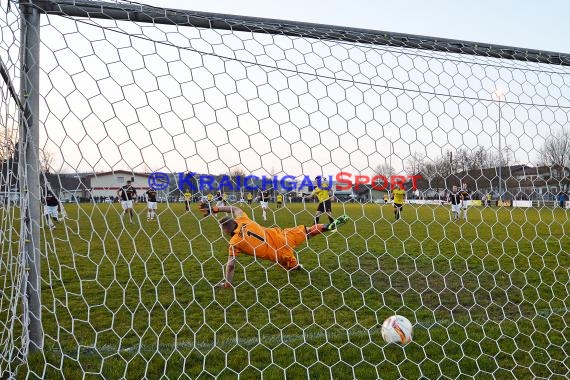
(293, 237)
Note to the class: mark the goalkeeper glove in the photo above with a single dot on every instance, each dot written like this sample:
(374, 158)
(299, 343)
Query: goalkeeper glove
(224, 284)
(206, 210)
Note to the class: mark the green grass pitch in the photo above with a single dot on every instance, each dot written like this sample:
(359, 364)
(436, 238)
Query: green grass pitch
(488, 298)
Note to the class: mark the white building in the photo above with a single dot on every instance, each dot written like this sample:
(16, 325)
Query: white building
(106, 184)
(11, 196)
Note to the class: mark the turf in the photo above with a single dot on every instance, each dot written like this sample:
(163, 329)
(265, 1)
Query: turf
(488, 298)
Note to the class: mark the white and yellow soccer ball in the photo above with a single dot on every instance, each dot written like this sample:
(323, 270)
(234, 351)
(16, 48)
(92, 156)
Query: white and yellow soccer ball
(397, 329)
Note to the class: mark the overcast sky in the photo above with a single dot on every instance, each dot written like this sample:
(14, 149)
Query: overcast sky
(148, 106)
(532, 24)
(122, 96)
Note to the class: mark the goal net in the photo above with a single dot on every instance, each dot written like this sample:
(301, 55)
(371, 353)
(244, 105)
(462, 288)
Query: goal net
(185, 102)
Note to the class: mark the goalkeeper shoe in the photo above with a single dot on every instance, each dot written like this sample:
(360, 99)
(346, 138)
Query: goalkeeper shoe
(338, 222)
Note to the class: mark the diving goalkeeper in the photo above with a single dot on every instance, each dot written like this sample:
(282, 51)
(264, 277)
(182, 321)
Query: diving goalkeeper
(275, 244)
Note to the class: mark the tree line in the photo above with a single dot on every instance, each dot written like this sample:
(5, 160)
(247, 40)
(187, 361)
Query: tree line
(555, 151)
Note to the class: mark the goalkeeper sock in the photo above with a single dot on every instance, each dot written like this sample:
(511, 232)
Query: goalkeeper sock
(317, 229)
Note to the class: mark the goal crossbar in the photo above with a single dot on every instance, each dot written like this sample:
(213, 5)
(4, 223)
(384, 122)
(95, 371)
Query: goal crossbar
(149, 14)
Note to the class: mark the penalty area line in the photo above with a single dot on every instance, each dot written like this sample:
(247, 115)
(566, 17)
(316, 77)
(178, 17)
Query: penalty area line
(306, 337)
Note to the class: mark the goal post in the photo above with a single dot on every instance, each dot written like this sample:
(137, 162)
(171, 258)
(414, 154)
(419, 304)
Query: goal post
(117, 99)
(29, 173)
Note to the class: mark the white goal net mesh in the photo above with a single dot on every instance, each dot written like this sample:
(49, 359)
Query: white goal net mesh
(487, 290)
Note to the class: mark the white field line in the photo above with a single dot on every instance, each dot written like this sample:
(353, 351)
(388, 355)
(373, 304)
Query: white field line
(293, 339)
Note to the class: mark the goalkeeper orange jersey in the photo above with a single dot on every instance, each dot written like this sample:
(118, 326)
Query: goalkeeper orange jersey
(273, 244)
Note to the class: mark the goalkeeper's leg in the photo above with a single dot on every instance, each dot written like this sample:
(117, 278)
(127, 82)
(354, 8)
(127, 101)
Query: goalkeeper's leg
(318, 229)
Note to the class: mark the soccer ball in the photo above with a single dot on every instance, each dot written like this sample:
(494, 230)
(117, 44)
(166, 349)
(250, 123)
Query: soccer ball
(397, 329)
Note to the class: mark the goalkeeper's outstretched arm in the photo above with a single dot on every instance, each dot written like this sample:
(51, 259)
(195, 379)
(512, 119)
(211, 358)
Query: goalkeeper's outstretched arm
(235, 211)
(230, 268)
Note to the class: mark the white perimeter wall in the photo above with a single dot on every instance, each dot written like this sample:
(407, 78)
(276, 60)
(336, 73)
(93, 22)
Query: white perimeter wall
(106, 185)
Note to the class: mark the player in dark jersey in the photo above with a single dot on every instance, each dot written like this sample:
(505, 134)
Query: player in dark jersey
(151, 204)
(455, 199)
(264, 196)
(220, 199)
(127, 195)
(465, 200)
(51, 205)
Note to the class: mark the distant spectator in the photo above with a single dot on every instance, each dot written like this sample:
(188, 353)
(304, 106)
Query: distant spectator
(488, 199)
(562, 198)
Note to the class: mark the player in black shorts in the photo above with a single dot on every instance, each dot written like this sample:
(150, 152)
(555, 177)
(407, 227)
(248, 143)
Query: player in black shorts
(51, 205)
(322, 192)
(127, 194)
(151, 204)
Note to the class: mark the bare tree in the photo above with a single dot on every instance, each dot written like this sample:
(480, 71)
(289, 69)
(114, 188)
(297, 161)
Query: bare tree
(415, 163)
(479, 159)
(496, 159)
(46, 160)
(556, 149)
(8, 142)
(237, 171)
(384, 169)
(460, 162)
(436, 170)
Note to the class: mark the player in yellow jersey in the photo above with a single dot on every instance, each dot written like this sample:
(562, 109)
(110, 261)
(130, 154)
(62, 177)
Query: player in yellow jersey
(398, 195)
(187, 199)
(249, 198)
(274, 244)
(210, 197)
(279, 200)
(322, 192)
